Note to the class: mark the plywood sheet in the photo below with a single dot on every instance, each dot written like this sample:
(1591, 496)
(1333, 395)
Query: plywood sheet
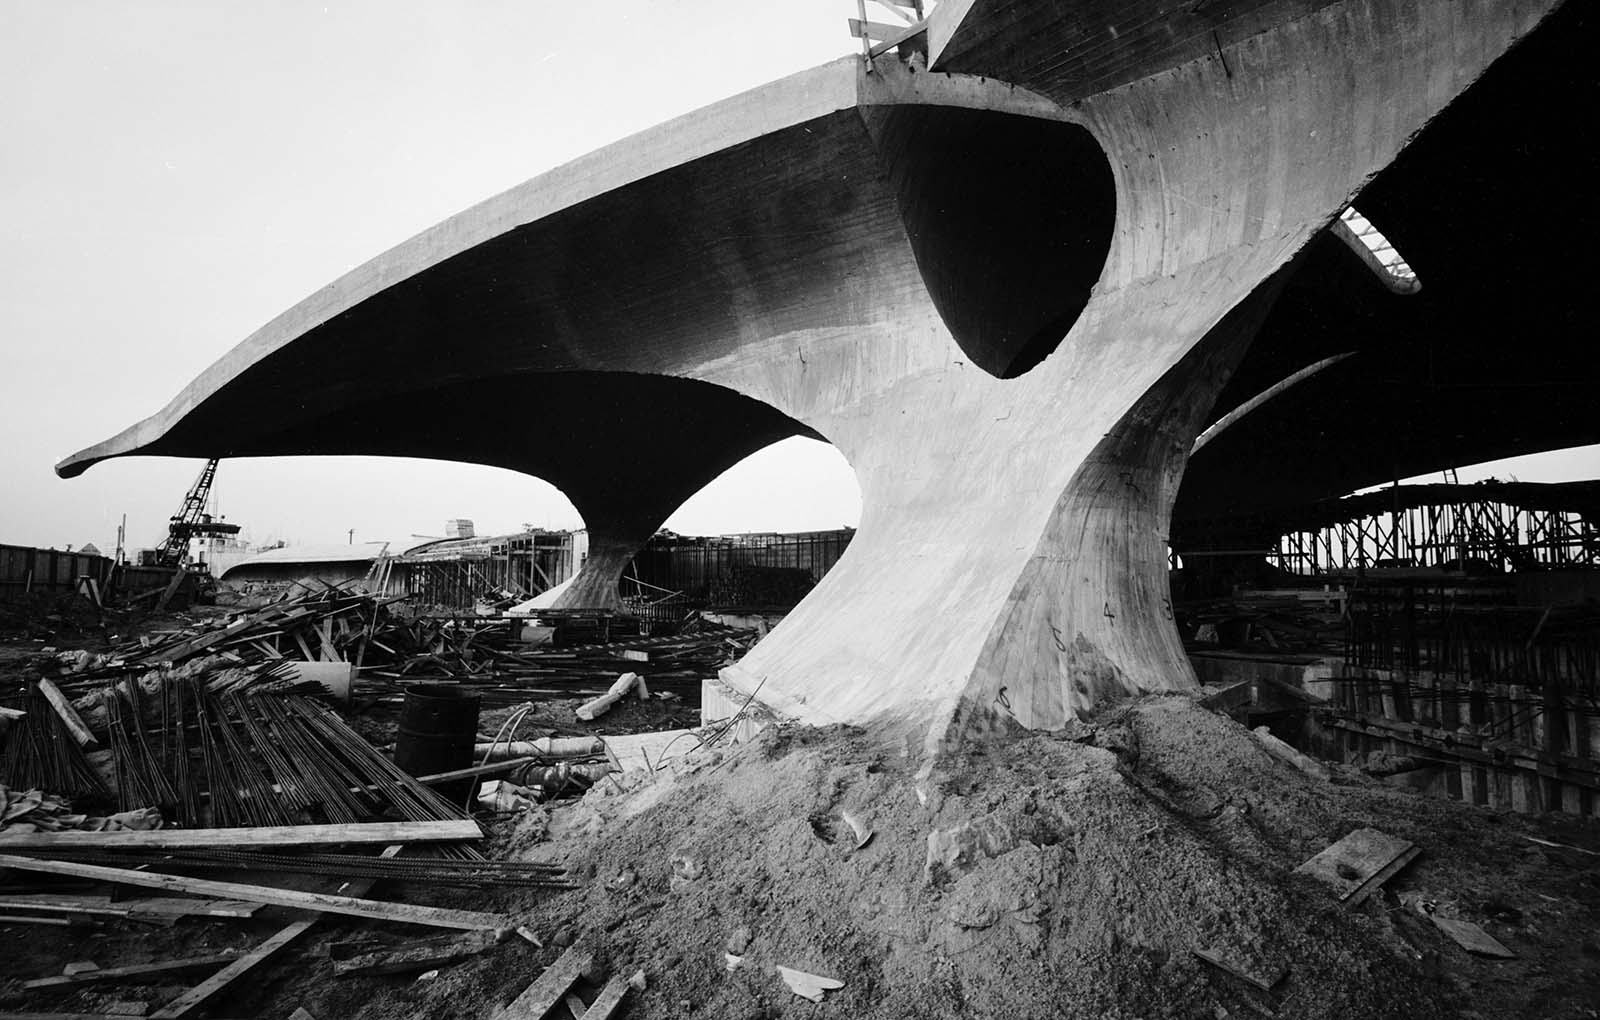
(1347, 865)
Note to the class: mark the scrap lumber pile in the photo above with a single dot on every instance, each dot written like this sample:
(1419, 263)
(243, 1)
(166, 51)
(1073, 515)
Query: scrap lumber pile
(333, 625)
(231, 773)
(387, 650)
(214, 726)
(1290, 620)
(504, 672)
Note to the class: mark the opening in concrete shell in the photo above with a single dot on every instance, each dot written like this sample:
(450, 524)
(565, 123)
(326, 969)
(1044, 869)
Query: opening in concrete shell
(796, 484)
(1010, 219)
(1378, 251)
(756, 540)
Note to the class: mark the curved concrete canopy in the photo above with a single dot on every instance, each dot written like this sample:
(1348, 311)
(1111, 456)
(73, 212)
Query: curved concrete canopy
(751, 205)
(800, 249)
(1494, 357)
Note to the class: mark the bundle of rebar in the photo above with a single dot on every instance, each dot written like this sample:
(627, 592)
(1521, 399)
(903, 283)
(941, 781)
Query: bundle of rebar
(41, 754)
(140, 777)
(251, 757)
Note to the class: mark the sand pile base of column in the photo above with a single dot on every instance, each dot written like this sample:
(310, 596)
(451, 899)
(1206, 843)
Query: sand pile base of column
(1068, 875)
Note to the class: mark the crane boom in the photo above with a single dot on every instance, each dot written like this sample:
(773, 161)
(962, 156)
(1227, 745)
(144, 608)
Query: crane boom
(191, 520)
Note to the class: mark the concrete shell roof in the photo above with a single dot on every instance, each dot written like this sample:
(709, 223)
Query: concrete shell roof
(308, 554)
(765, 120)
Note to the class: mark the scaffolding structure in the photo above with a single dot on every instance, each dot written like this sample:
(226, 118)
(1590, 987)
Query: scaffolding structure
(1444, 526)
(457, 574)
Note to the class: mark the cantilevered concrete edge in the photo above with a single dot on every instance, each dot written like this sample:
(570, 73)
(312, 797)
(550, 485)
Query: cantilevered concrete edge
(740, 120)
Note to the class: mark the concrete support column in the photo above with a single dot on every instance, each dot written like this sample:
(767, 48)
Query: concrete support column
(1090, 617)
(595, 586)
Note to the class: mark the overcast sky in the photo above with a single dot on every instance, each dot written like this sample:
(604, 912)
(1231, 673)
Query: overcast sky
(173, 175)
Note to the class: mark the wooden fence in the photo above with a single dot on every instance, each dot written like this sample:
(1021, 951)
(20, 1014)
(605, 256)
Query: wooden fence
(24, 569)
(1503, 699)
(678, 563)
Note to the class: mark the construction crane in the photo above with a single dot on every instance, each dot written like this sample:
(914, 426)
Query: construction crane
(191, 521)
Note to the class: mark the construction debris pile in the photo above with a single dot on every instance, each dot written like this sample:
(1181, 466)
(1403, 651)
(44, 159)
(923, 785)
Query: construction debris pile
(1158, 861)
(1267, 620)
(387, 649)
(196, 755)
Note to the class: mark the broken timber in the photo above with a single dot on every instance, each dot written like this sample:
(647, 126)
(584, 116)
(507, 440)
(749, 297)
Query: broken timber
(63, 708)
(138, 970)
(606, 1003)
(1217, 960)
(548, 989)
(419, 956)
(1473, 938)
(405, 913)
(152, 907)
(1286, 753)
(191, 1000)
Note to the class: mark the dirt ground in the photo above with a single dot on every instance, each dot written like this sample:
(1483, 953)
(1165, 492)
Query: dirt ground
(1070, 875)
(1072, 881)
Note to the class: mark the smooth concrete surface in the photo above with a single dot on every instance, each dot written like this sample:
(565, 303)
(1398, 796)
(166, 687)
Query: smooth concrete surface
(810, 258)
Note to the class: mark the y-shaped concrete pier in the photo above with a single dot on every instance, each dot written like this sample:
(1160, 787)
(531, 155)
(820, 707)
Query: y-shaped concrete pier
(1010, 305)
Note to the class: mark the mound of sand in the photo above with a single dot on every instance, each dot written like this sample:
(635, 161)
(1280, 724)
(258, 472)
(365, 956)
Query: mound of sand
(1071, 875)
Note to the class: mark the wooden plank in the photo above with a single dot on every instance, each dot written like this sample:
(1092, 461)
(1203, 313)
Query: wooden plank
(1376, 882)
(1473, 938)
(417, 956)
(871, 29)
(403, 913)
(1290, 755)
(1223, 963)
(171, 588)
(899, 10)
(895, 39)
(610, 999)
(197, 996)
(269, 836)
(162, 906)
(187, 907)
(137, 970)
(191, 1000)
(548, 989)
(1348, 864)
(63, 707)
